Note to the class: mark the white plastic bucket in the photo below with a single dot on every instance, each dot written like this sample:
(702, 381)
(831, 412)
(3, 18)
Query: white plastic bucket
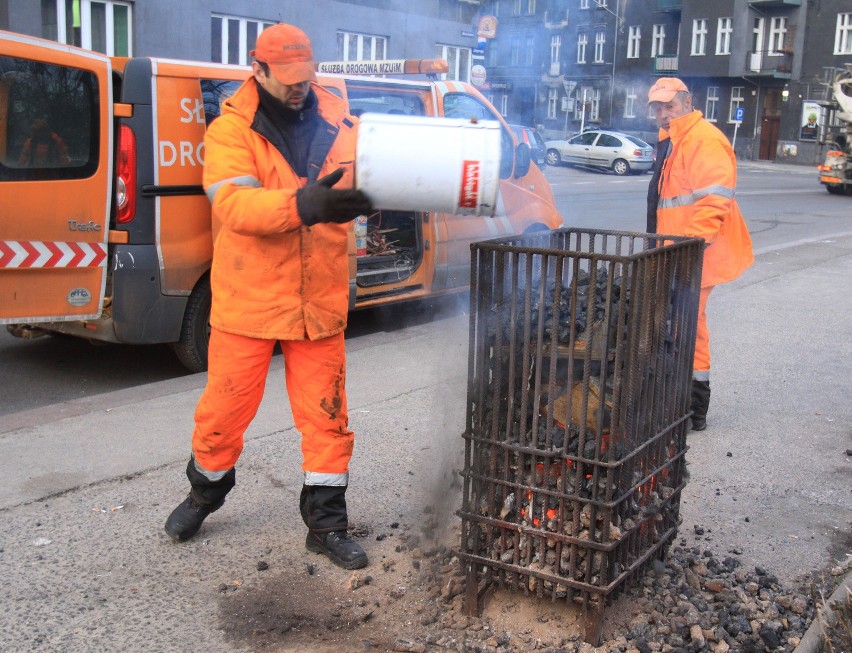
(416, 163)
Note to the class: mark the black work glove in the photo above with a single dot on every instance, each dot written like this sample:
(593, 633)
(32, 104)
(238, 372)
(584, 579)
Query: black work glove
(320, 202)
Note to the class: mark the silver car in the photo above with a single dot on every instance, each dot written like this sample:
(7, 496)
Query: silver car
(621, 153)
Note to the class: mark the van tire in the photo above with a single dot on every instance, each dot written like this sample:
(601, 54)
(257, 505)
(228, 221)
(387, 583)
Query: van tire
(192, 347)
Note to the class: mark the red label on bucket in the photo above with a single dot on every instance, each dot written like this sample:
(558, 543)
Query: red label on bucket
(470, 184)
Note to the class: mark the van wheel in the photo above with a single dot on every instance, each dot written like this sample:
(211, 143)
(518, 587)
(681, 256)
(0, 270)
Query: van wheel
(191, 349)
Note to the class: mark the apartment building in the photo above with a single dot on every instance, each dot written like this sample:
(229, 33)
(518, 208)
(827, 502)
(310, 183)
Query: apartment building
(758, 69)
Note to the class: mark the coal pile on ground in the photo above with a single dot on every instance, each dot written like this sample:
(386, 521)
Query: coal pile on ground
(410, 600)
(696, 600)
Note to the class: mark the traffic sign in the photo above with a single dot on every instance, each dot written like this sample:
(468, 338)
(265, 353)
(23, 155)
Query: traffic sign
(739, 114)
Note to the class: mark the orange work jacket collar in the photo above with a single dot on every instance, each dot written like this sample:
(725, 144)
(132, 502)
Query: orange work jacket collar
(678, 127)
(246, 100)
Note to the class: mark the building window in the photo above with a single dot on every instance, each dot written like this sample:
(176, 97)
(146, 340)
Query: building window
(530, 7)
(458, 60)
(101, 25)
(555, 47)
(843, 35)
(529, 49)
(658, 41)
(515, 51)
(361, 47)
(552, 100)
(582, 41)
(491, 54)
(600, 4)
(516, 7)
(736, 102)
(699, 37)
(504, 104)
(584, 4)
(600, 42)
(634, 36)
(777, 34)
(711, 106)
(630, 103)
(233, 38)
(723, 36)
(595, 109)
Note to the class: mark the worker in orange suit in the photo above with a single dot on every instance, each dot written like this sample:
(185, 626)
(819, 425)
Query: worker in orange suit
(692, 194)
(279, 174)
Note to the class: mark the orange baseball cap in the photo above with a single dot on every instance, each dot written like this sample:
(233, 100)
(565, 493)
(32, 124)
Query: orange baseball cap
(665, 89)
(287, 50)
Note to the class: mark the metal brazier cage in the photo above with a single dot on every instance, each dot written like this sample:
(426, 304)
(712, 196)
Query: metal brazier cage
(580, 364)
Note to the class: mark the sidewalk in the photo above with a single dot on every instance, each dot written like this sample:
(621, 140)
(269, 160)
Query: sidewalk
(95, 478)
(778, 166)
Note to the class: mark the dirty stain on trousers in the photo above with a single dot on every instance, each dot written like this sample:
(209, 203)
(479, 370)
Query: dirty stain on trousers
(315, 373)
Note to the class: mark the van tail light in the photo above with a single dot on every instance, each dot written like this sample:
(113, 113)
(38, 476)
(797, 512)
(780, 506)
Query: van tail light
(125, 183)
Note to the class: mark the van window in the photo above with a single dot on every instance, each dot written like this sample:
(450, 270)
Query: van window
(462, 105)
(49, 117)
(214, 92)
(382, 99)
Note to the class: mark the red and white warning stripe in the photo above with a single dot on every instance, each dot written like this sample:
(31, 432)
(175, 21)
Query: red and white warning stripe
(40, 254)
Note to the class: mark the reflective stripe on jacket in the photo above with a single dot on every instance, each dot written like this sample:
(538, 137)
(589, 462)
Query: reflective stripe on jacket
(271, 276)
(696, 197)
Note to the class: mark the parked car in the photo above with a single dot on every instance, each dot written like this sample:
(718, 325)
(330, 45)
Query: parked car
(621, 153)
(532, 138)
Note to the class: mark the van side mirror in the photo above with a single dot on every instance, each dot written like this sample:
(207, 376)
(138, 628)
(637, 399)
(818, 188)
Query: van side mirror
(523, 159)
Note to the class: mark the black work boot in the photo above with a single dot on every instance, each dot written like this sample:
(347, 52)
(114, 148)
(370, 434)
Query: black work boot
(206, 496)
(341, 549)
(323, 508)
(700, 404)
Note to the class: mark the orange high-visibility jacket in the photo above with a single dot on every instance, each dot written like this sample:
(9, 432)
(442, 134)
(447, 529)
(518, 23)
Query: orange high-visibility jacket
(696, 197)
(271, 276)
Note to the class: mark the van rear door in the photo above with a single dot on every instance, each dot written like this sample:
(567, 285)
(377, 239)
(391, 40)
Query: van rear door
(55, 180)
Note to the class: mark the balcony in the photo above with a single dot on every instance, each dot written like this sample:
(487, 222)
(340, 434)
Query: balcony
(774, 3)
(669, 5)
(769, 64)
(666, 64)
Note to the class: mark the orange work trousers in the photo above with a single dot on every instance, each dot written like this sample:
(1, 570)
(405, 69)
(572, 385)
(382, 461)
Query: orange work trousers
(315, 373)
(701, 362)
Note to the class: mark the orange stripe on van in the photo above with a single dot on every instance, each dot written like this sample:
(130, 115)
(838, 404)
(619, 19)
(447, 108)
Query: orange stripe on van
(41, 254)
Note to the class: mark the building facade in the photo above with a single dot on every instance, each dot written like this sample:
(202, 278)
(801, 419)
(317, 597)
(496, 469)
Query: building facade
(225, 30)
(759, 69)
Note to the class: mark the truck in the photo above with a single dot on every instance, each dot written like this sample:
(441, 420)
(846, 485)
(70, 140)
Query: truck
(106, 233)
(835, 173)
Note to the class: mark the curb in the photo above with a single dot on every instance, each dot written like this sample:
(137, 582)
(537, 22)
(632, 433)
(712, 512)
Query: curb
(812, 640)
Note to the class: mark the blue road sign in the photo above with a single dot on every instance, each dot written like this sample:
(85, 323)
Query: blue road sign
(739, 114)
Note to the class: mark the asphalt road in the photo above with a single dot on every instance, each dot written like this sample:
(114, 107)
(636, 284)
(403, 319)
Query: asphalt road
(782, 205)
